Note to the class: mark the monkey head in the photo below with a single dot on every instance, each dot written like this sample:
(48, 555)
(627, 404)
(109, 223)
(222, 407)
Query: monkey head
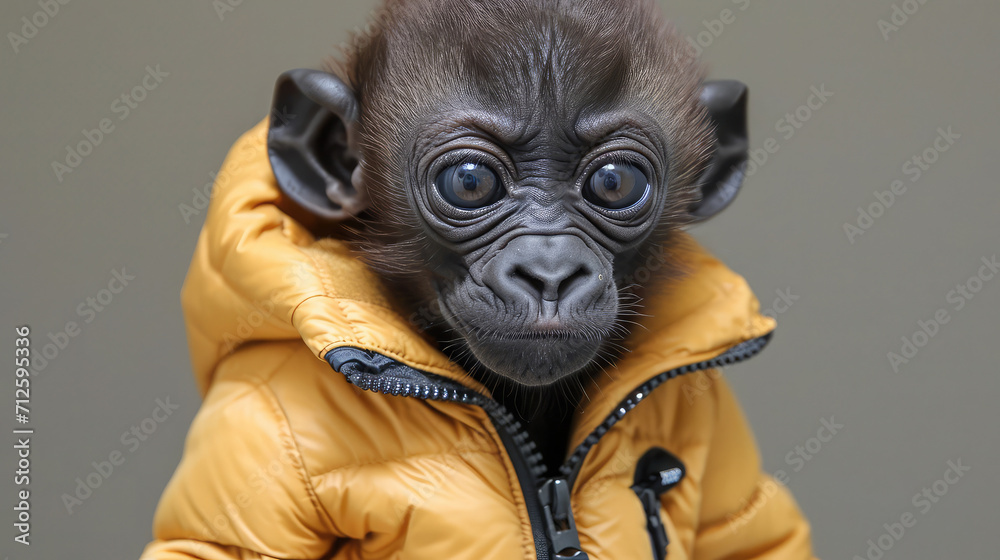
(511, 163)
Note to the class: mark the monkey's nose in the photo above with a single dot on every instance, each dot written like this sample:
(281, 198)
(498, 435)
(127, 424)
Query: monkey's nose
(552, 272)
(549, 281)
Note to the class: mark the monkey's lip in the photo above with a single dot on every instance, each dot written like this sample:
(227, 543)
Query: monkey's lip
(536, 358)
(542, 334)
(537, 335)
(544, 330)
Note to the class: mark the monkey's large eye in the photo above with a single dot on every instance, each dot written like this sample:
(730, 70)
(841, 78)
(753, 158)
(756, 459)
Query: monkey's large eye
(469, 185)
(616, 186)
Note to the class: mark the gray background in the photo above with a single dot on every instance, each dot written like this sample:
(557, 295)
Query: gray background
(59, 242)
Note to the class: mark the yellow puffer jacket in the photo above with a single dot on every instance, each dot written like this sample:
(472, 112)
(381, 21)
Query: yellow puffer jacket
(289, 458)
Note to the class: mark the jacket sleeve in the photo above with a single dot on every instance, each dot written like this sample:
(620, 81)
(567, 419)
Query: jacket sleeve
(241, 490)
(745, 513)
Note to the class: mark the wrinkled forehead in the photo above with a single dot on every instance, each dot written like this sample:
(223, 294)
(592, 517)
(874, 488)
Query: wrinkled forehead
(557, 73)
(566, 54)
(559, 69)
(532, 67)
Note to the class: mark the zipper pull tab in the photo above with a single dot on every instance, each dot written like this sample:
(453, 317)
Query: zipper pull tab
(657, 472)
(657, 532)
(559, 523)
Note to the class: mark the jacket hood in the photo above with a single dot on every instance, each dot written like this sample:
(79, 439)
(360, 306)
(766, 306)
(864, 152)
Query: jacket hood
(258, 275)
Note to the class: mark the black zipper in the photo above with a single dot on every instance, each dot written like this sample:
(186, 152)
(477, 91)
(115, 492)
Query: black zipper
(736, 354)
(372, 371)
(547, 501)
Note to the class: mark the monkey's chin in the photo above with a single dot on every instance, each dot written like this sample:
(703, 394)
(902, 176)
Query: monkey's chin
(535, 362)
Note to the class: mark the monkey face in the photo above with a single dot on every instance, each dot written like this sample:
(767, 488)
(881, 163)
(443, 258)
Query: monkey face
(534, 232)
(511, 165)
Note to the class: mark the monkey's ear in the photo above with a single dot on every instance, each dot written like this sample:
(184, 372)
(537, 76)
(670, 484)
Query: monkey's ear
(726, 101)
(312, 147)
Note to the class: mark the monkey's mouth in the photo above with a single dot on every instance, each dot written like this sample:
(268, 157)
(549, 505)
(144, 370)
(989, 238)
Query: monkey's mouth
(535, 361)
(523, 345)
(539, 335)
(534, 357)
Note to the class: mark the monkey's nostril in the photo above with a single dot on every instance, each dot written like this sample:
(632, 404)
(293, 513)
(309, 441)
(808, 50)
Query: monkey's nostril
(581, 277)
(551, 286)
(533, 282)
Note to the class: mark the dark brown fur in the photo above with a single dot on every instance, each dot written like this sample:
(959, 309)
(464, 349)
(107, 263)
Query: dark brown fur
(511, 55)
